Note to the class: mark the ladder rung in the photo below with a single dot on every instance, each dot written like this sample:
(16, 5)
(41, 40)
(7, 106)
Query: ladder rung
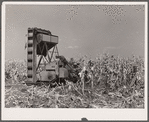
(30, 57)
(30, 72)
(30, 80)
(30, 34)
(30, 41)
(30, 48)
(29, 64)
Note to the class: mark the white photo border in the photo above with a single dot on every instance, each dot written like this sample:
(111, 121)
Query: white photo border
(73, 114)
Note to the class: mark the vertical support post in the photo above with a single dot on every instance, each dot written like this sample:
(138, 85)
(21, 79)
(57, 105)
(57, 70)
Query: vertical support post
(31, 57)
(39, 62)
(47, 53)
(34, 59)
(57, 51)
(52, 52)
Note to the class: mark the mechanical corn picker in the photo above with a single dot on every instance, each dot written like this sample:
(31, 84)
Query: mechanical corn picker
(43, 61)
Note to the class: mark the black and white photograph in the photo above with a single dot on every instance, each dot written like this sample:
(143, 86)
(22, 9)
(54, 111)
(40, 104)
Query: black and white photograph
(73, 60)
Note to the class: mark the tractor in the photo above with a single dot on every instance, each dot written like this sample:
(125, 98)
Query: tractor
(44, 64)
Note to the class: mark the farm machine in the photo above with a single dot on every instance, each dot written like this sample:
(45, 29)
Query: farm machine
(44, 64)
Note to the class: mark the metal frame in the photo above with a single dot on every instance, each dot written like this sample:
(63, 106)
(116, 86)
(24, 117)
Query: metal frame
(32, 64)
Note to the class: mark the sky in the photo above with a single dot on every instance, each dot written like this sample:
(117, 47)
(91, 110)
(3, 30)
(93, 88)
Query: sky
(82, 29)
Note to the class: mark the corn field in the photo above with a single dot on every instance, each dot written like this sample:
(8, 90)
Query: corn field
(106, 82)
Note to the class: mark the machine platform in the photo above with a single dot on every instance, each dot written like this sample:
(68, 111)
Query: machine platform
(45, 42)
